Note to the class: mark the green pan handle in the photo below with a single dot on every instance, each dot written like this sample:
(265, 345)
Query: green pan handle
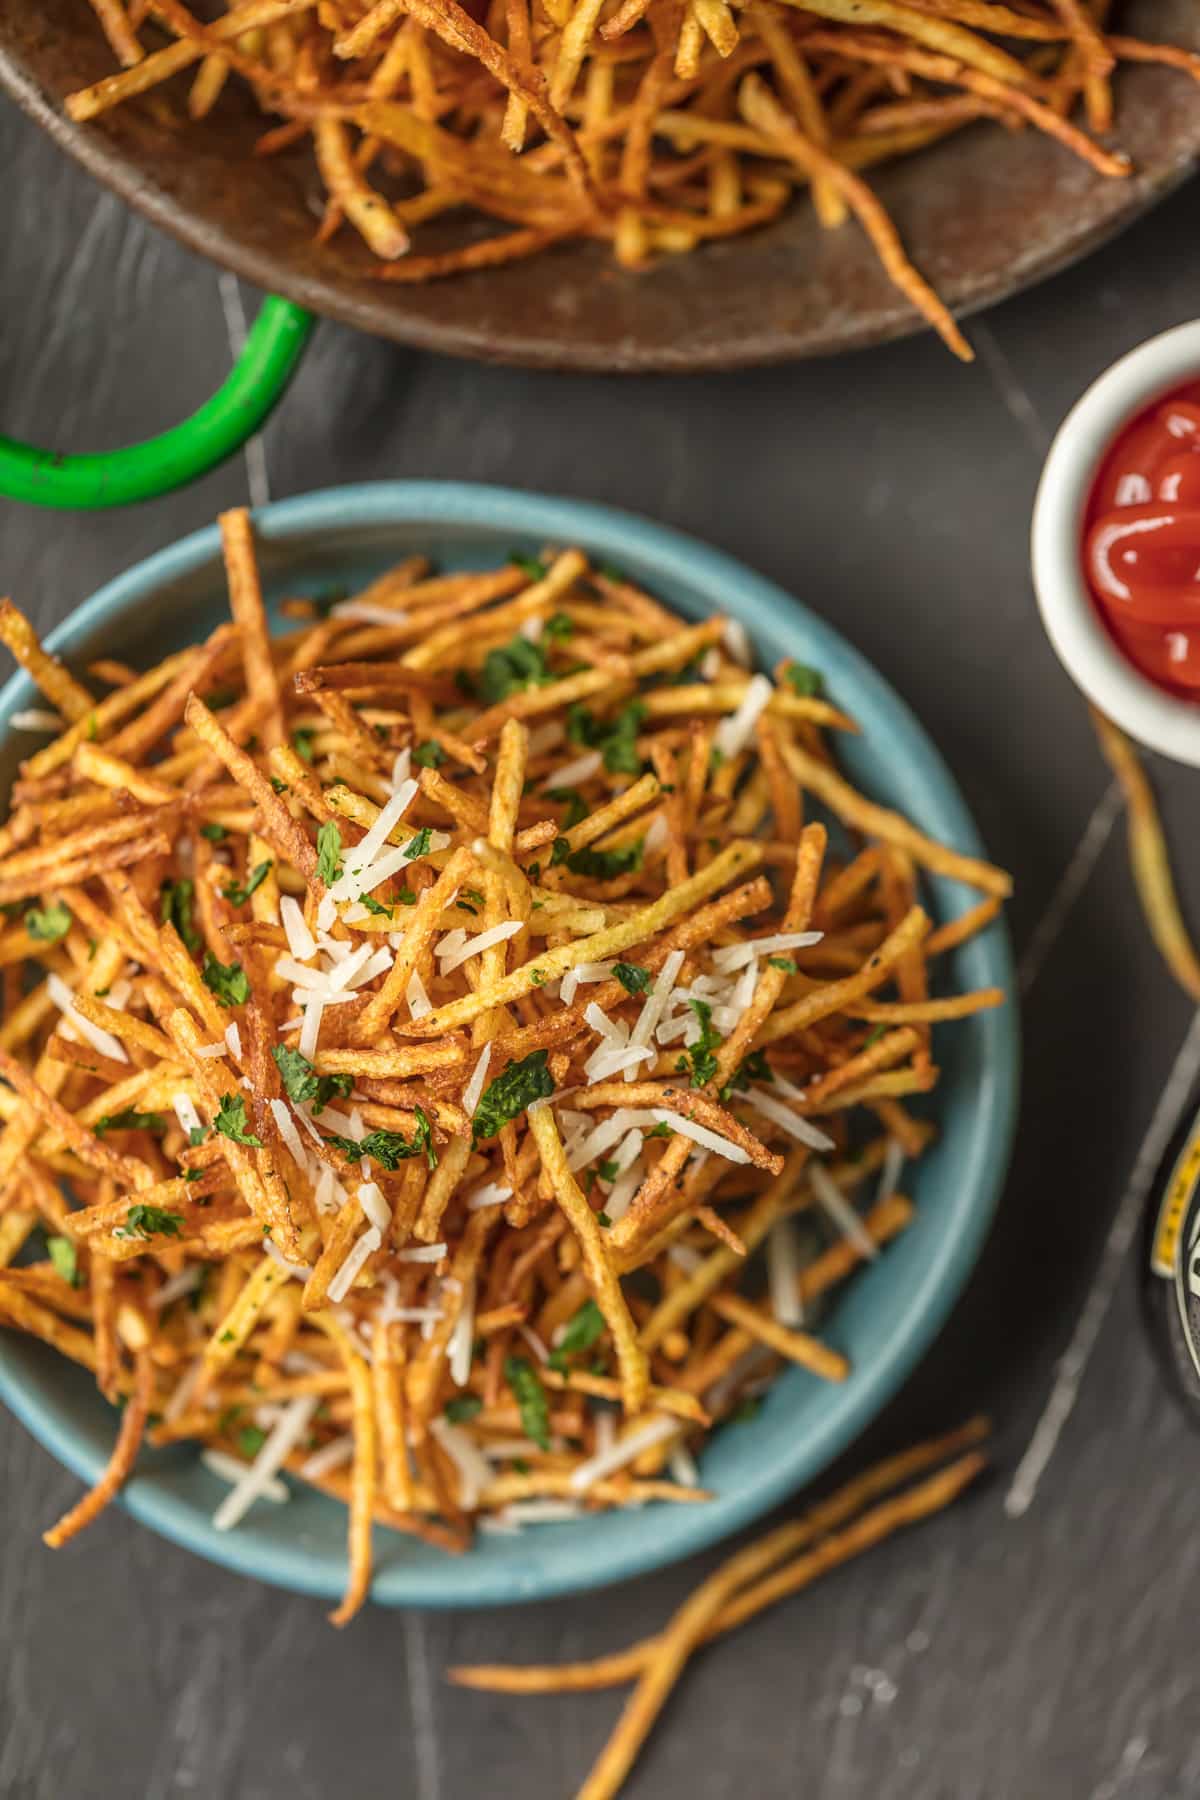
(117, 477)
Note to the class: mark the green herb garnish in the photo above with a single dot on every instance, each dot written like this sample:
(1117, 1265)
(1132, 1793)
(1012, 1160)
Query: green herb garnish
(329, 853)
(418, 846)
(302, 1083)
(632, 977)
(213, 832)
(600, 865)
(511, 668)
(511, 1093)
(583, 1329)
(429, 755)
(237, 895)
(700, 1054)
(390, 1148)
(808, 683)
(533, 566)
(616, 738)
(787, 964)
(227, 981)
(231, 1122)
(63, 1260)
(559, 627)
(530, 1396)
(744, 1411)
(302, 743)
(461, 1408)
(148, 1222)
(129, 1120)
(250, 1440)
(48, 924)
(175, 908)
(754, 1067)
(574, 802)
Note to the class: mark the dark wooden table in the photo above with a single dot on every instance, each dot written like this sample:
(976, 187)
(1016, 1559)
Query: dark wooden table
(1039, 1641)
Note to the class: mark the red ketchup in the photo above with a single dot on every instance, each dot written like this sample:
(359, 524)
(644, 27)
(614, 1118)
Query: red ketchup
(1141, 547)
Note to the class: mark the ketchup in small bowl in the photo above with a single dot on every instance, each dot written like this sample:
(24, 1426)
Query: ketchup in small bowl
(1141, 549)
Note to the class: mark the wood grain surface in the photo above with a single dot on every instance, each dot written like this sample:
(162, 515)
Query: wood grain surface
(1048, 1656)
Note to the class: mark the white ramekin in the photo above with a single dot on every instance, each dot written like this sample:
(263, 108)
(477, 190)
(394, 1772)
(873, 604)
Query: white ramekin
(1138, 706)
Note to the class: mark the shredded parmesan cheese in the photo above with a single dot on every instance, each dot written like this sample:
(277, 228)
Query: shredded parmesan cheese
(297, 1271)
(186, 1282)
(284, 1436)
(625, 1451)
(310, 1031)
(37, 718)
(473, 1091)
(367, 612)
(185, 1112)
(474, 1472)
(736, 640)
(787, 1120)
(376, 1210)
(462, 952)
(492, 1193)
(100, 1040)
(699, 1134)
(228, 1468)
(419, 1002)
(655, 1004)
(331, 1456)
(734, 733)
(301, 941)
(535, 1343)
(893, 1163)
(840, 1211)
(572, 773)
(682, 1465)
(735, 956)
(783, 1270)
(286, 1127)
(366, 1246)
(458, 1350)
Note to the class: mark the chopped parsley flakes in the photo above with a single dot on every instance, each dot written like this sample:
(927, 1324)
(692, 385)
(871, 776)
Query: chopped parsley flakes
(530, 1397)
(231, 1122)
(48, 924)
(302, 1083)
(227, 981)
(511, 1093)
(329, 853)
(148, 1222)
(237, 894)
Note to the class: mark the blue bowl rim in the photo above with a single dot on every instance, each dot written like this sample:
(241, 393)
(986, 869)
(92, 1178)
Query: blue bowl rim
(607, 533)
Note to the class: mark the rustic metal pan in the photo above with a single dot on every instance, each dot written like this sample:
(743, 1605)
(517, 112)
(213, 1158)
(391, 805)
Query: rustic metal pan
(983, 214)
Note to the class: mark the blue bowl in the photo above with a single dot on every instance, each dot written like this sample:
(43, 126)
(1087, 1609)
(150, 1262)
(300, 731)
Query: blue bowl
(891, 1311)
